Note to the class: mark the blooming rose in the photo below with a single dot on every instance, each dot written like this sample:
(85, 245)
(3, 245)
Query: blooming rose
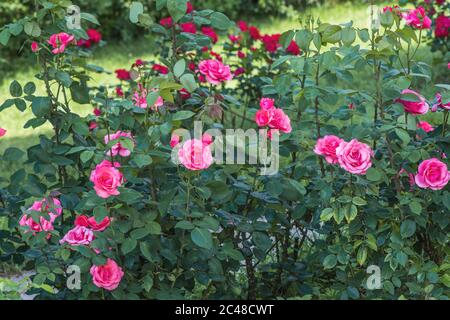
(293, 48)
(271, 42)
(2, 132)
(78, 236)
(280, 120)
(188, 27)
(263, 117)
(242, 26)
(184, 94)
(160, 68)
(233, 38)
(166, 22)
(43, 206)
(59, 41)
(238, 72)
(195, 155)
(354, 156)
(417, 18)
(94, 37)
(439, 103)
(214, 71)
(34, 46)
(42, 225)
(122, 74)
(208, 31)
(174, 140)
(442, 25)
(91, 223)
(107, 276)
(432, 174)
(254, 33)
(118, 149)
(106, 179)
(414, 107)
(327, 146)
(266, 103)
(425, 126)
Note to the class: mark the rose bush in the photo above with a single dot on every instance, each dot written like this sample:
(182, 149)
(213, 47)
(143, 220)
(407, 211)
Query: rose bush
(138, 225)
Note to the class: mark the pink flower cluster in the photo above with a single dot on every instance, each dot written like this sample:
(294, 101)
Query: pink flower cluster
(417, 18)
(118, 149)
(272, 117)
(60, 41)
(354, 156)
(45, 224)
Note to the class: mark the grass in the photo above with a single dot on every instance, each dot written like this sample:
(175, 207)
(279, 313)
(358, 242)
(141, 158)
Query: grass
(114, 56)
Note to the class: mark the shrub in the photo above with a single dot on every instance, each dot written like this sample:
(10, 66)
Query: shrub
(361, 183)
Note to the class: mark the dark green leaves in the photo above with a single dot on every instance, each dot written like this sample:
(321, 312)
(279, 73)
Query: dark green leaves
(407, 228)
(220, 21)
(330, 261)
(40, 106)
(202, 238)
(15, 89)
(177, 9)
(135, 10)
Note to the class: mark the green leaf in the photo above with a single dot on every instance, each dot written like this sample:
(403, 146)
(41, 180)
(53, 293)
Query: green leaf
(29, 88)
(4, 37)
(330, 261)
(153, 227)
(407, 228)
(135, 10)
(326, 214)
(188, 82)
(182, 115)
(415, 207)
(139, 233)
(220, 21)
(64, 78)
(128, 245)
(373, 174)
(80, 93)
(179, 68)
(86, 155)
(89, 17)
(359, 201)
(403, 135)
(15, 89)
(40, 106)
(100, 213)
(142, 160)
(13, 154)
(147, 283)
(202, 238)
(177, 9)
(185, 225)
(361, 256)
(20, 104)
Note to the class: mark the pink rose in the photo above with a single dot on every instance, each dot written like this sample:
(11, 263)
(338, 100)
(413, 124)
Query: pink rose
(234, 38)
(425, 126)
(327, 146)
(34, 46)
(118, 149)
(174, 140)
(209, 32)
(166, 22)
(417, 18)
(107, 276)
(293, 48)
(266, 103)
(2, 132)
(91, 223)
(207, 139)
(442, 25)
(188, 27)
(78, 236)
(280, 121)
(123, 74)
(432, 174)
(59, 41)
(106, 179)
(354, 156)
(263, 117)
(42, 225)
(194, 155)
(414, 107)
(53, 211)
(271, 42)
(439, 103)
(214, 71)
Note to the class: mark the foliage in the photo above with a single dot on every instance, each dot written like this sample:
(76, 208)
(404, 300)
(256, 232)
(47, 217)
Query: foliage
(310, 230)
